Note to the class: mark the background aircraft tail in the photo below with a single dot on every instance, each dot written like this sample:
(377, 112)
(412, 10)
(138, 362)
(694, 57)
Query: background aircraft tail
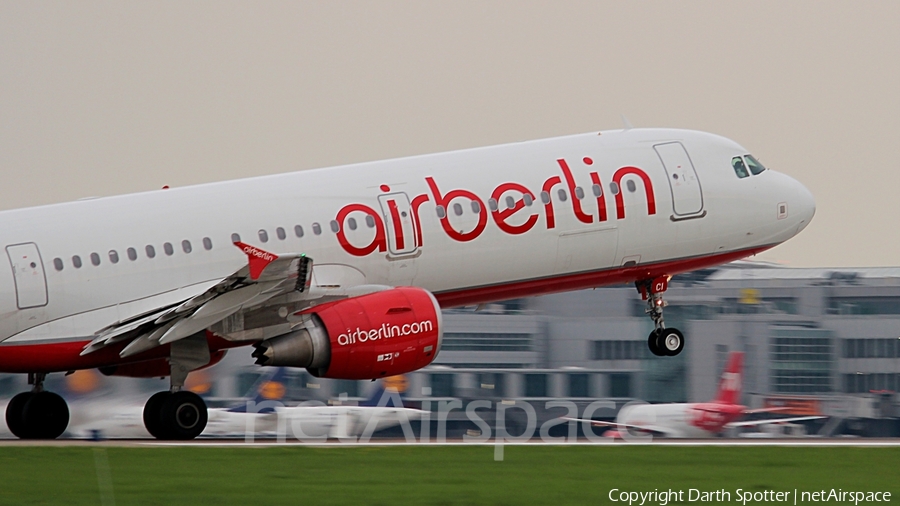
(269, 387)
(389, 393)
(730, 382)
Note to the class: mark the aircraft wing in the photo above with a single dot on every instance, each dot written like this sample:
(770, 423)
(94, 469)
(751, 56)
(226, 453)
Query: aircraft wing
(751, 423)
(265, 276)
(654, 429)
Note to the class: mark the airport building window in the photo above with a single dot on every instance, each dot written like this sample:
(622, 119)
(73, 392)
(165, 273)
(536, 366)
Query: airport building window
(871, 348)
(470, 341)
(263, 236)
(562, 195)
(535, 385)
(167, 247)
(150, 250)
(442, 385)
(737, 163)
(579, 385)
(235, 238)
(298, 231)
(620, 385)
(619, 350)
(95, 259)
(186, 246)
(865, 383)
(76, 261)
(317, 229)
(280, 233)
(132, 254)
(207, 243)
(58, 264)
(113, 256)
(801, 360)
(863, 305)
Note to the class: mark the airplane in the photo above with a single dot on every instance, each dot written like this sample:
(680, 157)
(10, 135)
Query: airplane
(694, 420)
(265, 414)
(164, 282)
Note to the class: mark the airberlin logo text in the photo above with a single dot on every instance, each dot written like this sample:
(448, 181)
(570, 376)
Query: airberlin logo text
(258, 253)
(384, 332)
(514, 208)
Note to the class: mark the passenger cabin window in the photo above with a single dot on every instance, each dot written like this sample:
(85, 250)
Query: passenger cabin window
(614, 188)
(754, 165)
(207, 243)
(95, 259)
(510, 202)
(739, 168)
(545, 197)
(597, 190)
(579, 192)
(280, 233)
(298, 231)
(370, 221)
(263, 236)
(631, 186)
(132, 254)
(76, 261)
(58, 264)
(476, 207)
(457, 209)
(352, 223)
(441, 213)
(317, 229)
(492, 203)
(150, 250)
(335, 227)
(167, 247)
(562, 195)
(528, 200)
(186, 246)
(113, 256)
(235, 238)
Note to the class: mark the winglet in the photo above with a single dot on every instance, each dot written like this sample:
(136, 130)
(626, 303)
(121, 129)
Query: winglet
(258, 258)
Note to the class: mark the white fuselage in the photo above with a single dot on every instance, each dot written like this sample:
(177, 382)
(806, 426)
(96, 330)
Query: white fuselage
(441, 222)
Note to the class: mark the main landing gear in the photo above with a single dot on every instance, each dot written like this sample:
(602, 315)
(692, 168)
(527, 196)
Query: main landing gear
(662, 341)
(176, 413)
(37, 414)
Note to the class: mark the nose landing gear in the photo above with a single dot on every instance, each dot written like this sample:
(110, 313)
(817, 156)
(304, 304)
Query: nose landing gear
(37, 414)
(662, 341)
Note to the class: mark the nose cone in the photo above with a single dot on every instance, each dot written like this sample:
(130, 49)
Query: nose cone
(805, 206)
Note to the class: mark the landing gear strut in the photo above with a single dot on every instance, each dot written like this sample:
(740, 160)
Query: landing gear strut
(176, 413)
(37, 414)
(662, 341)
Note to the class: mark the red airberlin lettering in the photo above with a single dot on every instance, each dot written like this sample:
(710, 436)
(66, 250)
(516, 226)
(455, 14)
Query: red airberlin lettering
(256, 258)
(510, 220)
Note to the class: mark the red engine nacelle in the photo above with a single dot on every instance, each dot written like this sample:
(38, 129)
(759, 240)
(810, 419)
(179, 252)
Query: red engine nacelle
(381, 334)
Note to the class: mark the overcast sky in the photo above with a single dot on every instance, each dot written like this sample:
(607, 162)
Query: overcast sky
(118, 97)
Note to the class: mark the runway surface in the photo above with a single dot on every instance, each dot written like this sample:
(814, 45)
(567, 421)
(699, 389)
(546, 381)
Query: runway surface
(266, 443)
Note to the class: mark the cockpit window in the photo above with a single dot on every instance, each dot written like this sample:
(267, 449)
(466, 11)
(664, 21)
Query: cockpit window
(739, 168)
(754, 165)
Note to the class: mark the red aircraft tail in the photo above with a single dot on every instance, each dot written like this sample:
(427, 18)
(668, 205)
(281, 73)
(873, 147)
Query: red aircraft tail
(730, 383)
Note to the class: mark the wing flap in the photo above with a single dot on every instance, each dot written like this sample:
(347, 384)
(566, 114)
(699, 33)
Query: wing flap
(266, 276)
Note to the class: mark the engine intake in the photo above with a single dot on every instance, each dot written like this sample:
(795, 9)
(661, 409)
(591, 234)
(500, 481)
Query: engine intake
(381, 334)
